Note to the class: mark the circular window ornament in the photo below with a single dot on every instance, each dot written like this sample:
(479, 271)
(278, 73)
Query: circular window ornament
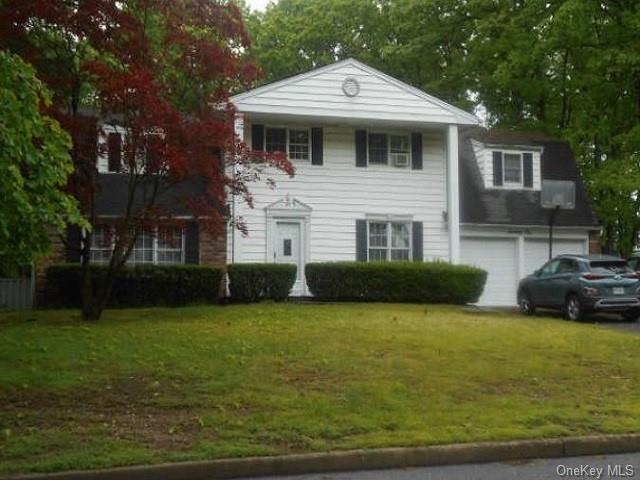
(350, 87)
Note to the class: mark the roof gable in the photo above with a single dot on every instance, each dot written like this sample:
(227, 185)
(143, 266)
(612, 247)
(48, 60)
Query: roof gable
(367, 94)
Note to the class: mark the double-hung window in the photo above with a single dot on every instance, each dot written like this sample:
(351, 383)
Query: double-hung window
(295, 142)
(162, 245)
(389, 241)
(388, 149)
(512, 169)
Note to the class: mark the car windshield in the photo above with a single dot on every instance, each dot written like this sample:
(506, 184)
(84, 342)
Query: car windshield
(609, 267)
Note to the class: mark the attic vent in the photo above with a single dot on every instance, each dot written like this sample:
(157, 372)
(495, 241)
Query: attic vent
(350, 87)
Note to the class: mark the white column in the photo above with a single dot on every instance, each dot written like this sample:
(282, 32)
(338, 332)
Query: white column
(453, 194)
(233, 238)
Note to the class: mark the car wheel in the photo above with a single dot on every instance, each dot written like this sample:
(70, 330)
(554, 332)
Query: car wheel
(631, 315)
(573, 308)
(526, 305)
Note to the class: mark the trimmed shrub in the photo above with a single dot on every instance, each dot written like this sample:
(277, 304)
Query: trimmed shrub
(252, 282)
(141, 285)
(415, 282)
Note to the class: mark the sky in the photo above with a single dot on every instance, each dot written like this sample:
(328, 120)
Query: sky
(257, 4)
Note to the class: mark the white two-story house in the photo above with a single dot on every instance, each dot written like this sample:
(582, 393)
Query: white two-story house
(380, 169)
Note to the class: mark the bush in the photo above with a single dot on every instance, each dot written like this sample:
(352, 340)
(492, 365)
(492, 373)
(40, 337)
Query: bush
(251, 282)
(434, 282)
(143, 285)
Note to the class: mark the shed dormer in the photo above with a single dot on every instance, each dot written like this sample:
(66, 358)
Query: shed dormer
(509, 167)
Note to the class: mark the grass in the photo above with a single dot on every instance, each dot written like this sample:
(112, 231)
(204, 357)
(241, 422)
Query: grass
(151, 385)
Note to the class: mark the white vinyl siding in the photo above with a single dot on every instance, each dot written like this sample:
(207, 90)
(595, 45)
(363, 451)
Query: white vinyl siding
(340, 193)
(320, 95)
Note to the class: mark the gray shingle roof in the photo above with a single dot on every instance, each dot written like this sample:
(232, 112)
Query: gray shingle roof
(479, 205)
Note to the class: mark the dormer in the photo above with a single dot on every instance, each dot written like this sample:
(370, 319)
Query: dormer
(509, 167)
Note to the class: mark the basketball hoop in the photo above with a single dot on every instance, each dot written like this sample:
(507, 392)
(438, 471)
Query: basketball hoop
(557, 195)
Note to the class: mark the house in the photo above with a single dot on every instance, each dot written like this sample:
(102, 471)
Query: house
(385, 171)
(176, 237)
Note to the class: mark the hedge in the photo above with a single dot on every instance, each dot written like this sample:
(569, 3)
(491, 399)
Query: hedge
(252, 282)
(141, 285)
(415, 282)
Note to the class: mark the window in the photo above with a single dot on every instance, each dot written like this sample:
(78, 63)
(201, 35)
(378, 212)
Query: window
(276, 140)
(512, 168)
(550, 268)
(385, 149)
(389, 241)
(142, 251)
(163, 245)
(378, 150)
(294, 142)
(170, 245)
(299, 144)
(101, 244)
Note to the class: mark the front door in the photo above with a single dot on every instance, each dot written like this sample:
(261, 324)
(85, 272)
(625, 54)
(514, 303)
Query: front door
(288, 249)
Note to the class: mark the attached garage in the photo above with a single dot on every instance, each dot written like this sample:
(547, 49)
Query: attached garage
(498, 256)
(536, 251)
(508, 259)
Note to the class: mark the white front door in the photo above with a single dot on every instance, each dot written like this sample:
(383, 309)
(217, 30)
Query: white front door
(288, 249)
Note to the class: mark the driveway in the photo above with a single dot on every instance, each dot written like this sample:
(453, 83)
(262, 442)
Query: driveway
(585, 468)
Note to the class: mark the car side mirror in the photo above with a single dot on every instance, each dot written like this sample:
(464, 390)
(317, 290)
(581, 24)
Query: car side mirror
(537, 272)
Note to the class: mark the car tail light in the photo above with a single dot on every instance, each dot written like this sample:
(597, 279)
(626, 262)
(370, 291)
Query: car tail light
(632, 275)
(593, 276)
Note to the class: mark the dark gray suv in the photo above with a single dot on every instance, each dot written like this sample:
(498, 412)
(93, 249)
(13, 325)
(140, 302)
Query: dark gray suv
(582, 284)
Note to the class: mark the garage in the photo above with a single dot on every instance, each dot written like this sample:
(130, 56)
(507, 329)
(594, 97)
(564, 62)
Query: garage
(536, 251)
(498, 256)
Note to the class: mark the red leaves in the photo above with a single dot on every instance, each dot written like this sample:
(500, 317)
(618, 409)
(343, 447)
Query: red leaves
(161, 70)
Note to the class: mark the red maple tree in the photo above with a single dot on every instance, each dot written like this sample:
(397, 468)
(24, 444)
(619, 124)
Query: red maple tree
(162, 71)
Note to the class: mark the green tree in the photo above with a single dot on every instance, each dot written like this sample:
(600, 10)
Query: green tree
(34, 165)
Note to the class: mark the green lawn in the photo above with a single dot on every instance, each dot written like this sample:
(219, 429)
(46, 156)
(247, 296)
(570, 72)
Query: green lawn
(153, 385)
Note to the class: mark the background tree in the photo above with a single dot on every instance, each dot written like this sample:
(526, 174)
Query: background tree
(570, 68)
(34, 165)
(162, 70)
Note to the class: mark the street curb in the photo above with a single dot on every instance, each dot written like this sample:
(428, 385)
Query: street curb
(372, 459)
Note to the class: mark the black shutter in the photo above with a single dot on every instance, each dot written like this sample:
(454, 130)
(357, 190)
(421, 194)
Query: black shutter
(417, 242)
(527, 169)
(316, 146)
(257, 137)
(361, 148)
(192, 243)
(114, 146)
(361, 240)
(74, 244)
(497, 169)
(416, 151)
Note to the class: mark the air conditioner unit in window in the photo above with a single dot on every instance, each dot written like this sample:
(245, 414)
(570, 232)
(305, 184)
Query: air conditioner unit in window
(400, 159)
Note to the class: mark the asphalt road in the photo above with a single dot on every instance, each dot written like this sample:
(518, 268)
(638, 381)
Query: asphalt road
(584, 468)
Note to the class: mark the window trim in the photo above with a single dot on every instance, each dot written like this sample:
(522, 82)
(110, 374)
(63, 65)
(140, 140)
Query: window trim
(154, 248)
(389, 248)
(287, 129)
(520, 152)
(505, 183)
(389, 134)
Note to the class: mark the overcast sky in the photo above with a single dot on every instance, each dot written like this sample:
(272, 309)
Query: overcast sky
(257, 4)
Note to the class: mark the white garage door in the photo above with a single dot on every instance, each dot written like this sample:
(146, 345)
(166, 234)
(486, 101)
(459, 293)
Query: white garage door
(498, 256)
(536, 251)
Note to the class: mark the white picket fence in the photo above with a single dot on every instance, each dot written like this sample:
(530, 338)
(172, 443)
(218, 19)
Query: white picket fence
(16, 293)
